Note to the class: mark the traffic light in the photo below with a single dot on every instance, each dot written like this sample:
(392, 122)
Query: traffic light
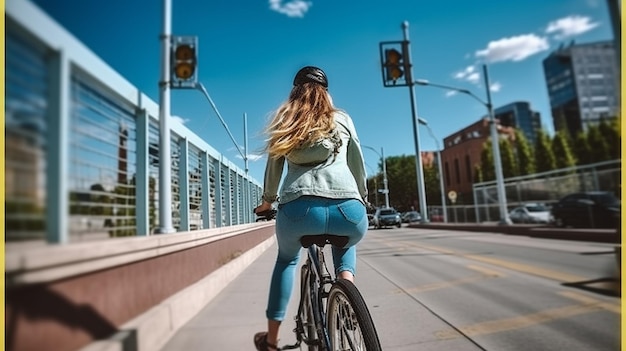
(394, 64)
(184, 62)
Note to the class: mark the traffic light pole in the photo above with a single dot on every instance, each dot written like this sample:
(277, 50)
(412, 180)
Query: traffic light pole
(497, 160)
(421, 193)
(165, 164)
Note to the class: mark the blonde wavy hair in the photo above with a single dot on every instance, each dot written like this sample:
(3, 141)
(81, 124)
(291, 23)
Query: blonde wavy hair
(304, 118)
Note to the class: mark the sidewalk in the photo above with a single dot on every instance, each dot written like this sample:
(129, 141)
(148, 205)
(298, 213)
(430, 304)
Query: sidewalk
(231, 319)
(235, 315)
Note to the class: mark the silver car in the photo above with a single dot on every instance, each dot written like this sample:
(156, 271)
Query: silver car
(386, 217)
(531, 213)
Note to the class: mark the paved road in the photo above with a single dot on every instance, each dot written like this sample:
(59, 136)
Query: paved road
(231, 319)
(446, 290)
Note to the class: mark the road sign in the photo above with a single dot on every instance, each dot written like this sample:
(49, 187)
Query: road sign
(452, 196)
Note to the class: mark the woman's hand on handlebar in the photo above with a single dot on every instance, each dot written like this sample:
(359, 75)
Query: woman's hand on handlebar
(265, 206)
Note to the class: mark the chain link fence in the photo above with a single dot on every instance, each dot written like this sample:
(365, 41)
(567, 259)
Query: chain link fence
(546, 188)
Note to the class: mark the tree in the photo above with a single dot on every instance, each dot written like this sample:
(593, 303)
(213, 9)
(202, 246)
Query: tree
(544, 156)
(508, 161)
(478, 174)
(582, 150)
(524, 154)
(432, 185)
(611, 132)
(562, 152)
(600, 150)
(402, 181)
(486, 162)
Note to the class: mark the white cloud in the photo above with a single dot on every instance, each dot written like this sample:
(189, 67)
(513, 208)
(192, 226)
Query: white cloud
(180, 119)
(570, 26)
(495, 87)
(451, 93)
(468, 74)
(515, 48)
(254, 157)
(293, 8)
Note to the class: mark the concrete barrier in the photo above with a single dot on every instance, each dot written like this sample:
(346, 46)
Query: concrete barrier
(124, 293)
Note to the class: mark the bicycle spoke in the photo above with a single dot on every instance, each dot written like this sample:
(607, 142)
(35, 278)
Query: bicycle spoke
(349, 324)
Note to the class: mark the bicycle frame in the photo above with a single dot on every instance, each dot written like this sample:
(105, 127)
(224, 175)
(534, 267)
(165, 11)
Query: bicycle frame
(319, 278)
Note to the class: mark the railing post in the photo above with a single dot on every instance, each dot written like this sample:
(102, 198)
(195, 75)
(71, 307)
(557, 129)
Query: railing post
(57, 168)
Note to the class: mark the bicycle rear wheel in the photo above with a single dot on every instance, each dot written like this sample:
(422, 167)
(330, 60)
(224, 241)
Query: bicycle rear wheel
(350, 325)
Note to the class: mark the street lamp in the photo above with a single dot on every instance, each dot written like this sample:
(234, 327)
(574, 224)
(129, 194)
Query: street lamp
(504, 215)
(384, 162)
(443, 195)
(375, 185)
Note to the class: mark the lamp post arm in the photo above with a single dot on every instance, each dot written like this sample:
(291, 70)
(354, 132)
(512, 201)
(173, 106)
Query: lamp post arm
(201, 87)
(448, 87)
(467, 92)
(440, 169)
(384, 166)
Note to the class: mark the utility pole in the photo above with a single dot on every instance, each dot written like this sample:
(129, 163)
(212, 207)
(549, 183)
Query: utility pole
(397, 71)
(165, 164)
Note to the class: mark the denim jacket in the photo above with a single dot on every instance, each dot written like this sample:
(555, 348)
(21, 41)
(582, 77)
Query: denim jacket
(317, 171)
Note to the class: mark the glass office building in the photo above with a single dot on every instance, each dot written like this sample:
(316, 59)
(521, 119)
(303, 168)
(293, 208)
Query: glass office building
(583, 85)
(519, 115)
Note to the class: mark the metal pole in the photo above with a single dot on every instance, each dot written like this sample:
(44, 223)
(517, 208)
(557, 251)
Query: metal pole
(439, 164)
(504, 215)
(384, 166)
(382, 156)
(375, 186)
(245, 141)
(165, 164)
(248, 195)
(441, 185)
(418, 155)
(201, 87)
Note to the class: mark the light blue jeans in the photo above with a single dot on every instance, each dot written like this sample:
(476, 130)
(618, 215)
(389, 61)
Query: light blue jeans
(311, 215)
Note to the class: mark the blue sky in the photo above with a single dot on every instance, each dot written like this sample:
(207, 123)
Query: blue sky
(250, 50)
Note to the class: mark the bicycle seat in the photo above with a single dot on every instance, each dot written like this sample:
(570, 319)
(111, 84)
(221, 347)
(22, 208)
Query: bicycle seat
(323, 239)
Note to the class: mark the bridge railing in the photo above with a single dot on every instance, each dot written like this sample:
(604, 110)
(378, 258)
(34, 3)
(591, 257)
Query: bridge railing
(82, 150)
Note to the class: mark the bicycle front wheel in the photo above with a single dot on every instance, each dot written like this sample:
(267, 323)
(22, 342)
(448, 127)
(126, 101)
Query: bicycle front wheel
(350, 325)
(306, 312)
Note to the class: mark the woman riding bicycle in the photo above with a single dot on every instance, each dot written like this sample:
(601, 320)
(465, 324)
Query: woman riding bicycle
(324, 191)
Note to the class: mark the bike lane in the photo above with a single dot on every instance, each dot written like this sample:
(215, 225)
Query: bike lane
(231, 319)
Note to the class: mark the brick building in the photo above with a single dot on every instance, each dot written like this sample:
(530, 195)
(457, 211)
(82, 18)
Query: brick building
(461, 153)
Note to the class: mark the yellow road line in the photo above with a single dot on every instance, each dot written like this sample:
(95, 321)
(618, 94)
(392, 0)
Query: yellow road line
(487, 271)
(541, 272)
(515, 323)
(589, 300)
(485, 274)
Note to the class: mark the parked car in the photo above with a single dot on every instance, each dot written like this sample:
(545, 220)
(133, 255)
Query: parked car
(436, 215)
(531, 213)
(385, 217)
(595, 209)
(411, 216)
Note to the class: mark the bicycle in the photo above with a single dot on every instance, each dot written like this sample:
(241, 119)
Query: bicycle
(332, 314)
(266, 215)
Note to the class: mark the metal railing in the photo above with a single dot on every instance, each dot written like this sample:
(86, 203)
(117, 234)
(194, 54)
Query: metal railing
(82, 149)
(546, 188)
